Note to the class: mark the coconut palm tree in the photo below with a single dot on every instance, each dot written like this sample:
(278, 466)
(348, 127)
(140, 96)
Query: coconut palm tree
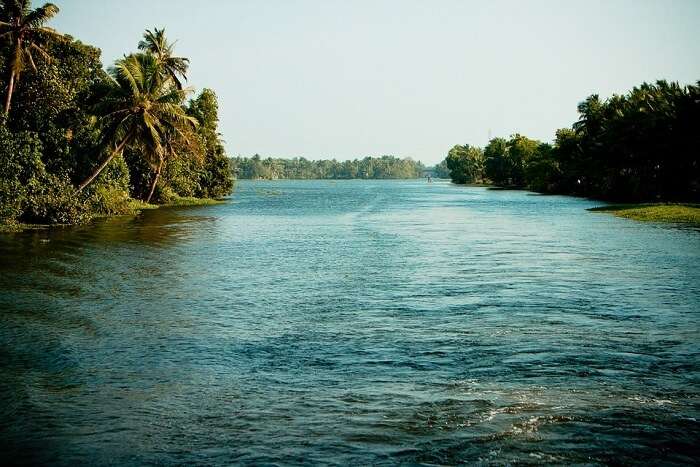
(24, 29)
(155, 42)
(139, 109)
(174, 145)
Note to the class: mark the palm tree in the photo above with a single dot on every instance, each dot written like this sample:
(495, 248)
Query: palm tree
(140, 109)
(24, 29)
(174, 145)
(172, 67)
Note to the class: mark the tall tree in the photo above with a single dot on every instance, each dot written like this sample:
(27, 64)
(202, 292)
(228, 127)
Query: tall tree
(495, 155)
(172, 67)
(24, 29)
(138, 108)
(182, 145)
(465, 163)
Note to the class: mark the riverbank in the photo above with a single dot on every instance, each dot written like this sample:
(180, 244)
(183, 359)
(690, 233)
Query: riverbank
(134, 207)
(671, 213)
(679, 213)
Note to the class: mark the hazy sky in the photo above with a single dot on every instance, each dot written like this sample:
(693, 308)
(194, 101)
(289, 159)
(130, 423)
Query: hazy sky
(347, 79)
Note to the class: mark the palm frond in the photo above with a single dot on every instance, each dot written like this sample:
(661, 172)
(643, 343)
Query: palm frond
(128, 71)
(47, 33)
(137, 101)
(172, 68)
(44, 54)
(41, 15)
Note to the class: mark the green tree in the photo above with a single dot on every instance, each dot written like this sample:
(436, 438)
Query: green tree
(171, 67)
(174, 147)
(138, 108)
(465, 163)
(24, 30)
(520, 150)
(496, 166)
(541, 170)
(54, 102)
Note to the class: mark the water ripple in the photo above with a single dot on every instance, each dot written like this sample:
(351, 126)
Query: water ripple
(352, 322)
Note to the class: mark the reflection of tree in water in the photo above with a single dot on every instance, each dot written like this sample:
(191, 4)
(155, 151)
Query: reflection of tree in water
(63, 288)
(38, 265)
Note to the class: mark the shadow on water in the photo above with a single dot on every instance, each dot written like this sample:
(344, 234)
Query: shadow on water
(50, 281)
(51, 250)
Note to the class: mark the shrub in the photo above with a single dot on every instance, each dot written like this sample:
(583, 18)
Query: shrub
(52, 199)
(109, 195)
(20, 165)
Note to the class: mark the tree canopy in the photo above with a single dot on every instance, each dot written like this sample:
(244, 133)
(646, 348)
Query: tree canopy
(384, 167)
(640, 146)
(80, 141)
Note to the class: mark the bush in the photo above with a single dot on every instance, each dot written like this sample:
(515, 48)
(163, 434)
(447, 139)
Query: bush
(52, 200)
(109, 195)
(20, 165)
(109, 200)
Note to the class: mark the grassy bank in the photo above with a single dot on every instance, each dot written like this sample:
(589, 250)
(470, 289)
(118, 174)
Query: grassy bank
(134, 207)
(189, 201)
(678, 213)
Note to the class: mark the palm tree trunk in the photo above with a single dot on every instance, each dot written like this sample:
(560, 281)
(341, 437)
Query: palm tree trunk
(104, 163)
(155, 181)
(10, 90)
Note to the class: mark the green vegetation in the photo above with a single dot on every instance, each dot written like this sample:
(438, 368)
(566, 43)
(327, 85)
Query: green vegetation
(191, 201)
(465, 164)
(77, 142)
(678, 213)
(642, 146)
(441, 170)
(299, 168)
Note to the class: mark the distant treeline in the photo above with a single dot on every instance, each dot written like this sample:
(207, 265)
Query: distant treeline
(299, 168)
(642, 146)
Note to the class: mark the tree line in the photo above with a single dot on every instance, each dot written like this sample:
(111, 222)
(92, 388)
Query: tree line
(77, 141)
(640, 146)
(384, 167)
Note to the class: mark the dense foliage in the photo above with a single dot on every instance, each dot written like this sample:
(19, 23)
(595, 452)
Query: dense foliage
(299, 168)
(642, 146)
(465, 164)
(77, 141)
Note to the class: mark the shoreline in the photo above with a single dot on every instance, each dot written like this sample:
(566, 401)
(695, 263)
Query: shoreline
(136, 206)
(665, 212)
(670, 213)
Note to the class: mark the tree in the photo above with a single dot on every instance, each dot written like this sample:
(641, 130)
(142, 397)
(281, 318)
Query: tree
(215, 176)
(171, 67)
(138, 108)
(466, 164)
(174, 145)
(520, 150)
(569, 158)
(541, 170)
(495, 160)
(54, 102)
(24, 29)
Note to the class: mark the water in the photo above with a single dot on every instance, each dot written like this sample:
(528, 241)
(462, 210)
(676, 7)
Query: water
(353, 322)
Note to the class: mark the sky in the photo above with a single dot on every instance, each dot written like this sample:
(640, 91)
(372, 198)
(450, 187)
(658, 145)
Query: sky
(345, 79)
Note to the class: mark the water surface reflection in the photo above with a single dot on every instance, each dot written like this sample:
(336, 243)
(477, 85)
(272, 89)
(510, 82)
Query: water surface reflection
(358, 322)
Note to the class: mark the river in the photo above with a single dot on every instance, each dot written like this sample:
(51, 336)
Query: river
(353, 322)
